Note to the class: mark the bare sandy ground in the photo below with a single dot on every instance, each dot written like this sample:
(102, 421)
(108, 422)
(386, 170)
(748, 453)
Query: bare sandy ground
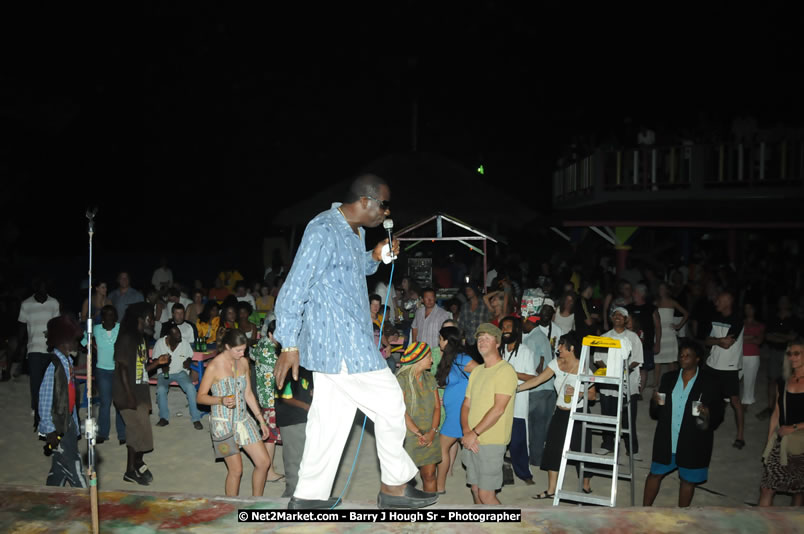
(182, 461)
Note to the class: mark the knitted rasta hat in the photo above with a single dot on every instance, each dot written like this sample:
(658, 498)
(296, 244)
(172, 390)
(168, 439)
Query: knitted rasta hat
(414, 353)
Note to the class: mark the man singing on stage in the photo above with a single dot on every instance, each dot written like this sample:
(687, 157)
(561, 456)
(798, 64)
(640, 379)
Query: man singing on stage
(323, 321)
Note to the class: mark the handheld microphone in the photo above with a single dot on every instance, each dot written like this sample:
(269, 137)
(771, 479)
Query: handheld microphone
(387, 255)
(388, 224)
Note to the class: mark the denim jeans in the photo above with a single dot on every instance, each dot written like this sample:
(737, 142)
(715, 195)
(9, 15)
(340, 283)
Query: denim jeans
(38, 363)
(162, 385)
(66, 465)
(105, 381)
(541, 405)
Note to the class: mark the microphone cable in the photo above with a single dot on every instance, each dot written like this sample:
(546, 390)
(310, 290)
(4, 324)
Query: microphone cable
(365, 417)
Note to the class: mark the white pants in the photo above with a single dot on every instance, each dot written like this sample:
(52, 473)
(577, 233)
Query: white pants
(329, 422)
(750, 369)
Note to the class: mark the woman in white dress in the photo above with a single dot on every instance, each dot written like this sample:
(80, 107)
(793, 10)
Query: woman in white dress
(565, 316)
(668, 353)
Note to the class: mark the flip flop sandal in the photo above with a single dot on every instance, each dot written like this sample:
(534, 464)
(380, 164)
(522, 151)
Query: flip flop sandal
(544, 495)
(738, 443)
(587, 491)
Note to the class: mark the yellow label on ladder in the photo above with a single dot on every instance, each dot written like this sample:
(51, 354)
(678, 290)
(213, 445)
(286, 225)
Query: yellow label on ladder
(605, 342)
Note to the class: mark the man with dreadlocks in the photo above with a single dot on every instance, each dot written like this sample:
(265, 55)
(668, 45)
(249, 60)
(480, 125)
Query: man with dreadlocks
(132, 391)
(522, 359)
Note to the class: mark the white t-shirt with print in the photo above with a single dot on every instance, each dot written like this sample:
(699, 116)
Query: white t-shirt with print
(564, 379)
(627, 337)
(523, 362)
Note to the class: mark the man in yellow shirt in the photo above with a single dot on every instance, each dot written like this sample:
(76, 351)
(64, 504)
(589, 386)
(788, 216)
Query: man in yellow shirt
(487, 416)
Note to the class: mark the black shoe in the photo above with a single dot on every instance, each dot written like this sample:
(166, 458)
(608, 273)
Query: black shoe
(412, 498)
(98, 441)
(145, 473)
(133, 476)
(311, 504)
(122, 442)
(163, 422)
(508, 474)
(197, 425)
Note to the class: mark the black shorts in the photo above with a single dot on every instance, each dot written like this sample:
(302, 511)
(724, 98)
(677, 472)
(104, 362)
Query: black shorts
(729, 382)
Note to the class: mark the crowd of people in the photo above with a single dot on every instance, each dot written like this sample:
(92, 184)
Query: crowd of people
(484, 379)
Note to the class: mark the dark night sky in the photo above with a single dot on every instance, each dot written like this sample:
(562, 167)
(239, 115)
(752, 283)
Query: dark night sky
(179, 119)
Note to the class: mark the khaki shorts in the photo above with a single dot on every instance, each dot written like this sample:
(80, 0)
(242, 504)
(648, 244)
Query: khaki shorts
(484, 469)
(138, 428)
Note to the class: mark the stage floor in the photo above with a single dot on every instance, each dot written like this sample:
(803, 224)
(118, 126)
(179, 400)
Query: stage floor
(32, 510)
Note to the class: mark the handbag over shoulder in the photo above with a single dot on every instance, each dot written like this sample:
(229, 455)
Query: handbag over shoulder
(226, 445)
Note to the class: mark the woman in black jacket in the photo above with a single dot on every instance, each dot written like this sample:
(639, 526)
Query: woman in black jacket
(689, 407)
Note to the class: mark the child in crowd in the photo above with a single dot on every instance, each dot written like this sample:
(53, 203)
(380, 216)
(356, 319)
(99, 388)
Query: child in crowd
(423, 411)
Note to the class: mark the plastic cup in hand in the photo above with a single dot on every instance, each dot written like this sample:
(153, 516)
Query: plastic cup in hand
(696, 408)
(567, 394)
(662, 397)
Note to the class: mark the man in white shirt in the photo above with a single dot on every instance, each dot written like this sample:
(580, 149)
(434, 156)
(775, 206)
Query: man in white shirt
(428, 319)
(174, 297)
(608, 397)
(35, 312)
(541, 399)
(388, 296)
(523, 361)
(163, 276)
(726, 356)
(546, 323)
(241, 292)
(180, 354)
(188, 331)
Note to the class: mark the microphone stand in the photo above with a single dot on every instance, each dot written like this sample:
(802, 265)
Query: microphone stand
(90, 430)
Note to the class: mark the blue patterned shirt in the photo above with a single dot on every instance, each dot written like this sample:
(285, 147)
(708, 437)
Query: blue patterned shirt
(680, 396)
(323, 307)
(46, 425)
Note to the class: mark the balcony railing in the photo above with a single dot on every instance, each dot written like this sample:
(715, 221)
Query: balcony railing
(682, 167)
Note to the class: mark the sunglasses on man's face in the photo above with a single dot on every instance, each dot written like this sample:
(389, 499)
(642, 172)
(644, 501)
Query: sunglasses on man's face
(793, 353)
(384, 205)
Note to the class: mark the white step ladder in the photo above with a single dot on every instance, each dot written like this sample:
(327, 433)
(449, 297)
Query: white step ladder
(616, 374)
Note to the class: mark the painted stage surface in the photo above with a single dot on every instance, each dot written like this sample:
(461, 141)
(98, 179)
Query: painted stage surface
(27, 509)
